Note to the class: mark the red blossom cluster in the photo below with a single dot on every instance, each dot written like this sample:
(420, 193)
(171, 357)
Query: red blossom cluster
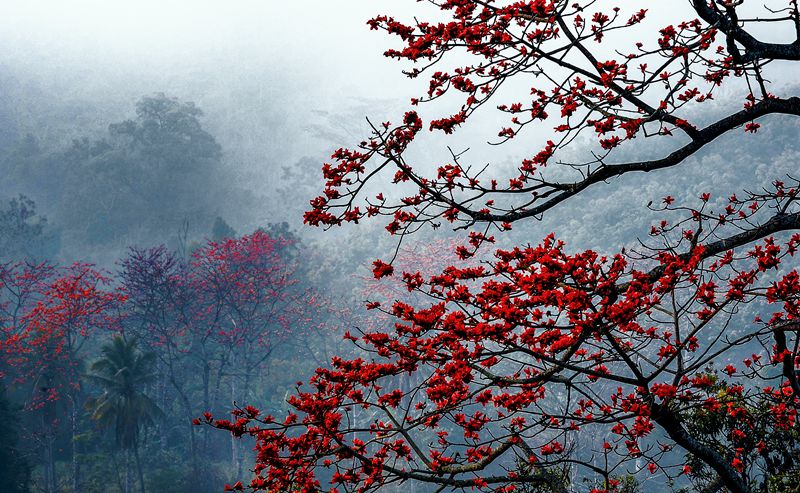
(46, 315)
(649, 89)
(520, 357)
(504, 373)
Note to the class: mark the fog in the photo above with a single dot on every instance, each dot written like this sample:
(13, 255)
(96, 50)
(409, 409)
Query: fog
(280, 83)
(154, 226)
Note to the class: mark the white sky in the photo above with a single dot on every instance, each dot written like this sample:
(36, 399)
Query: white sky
(312, 38)
(319, 52)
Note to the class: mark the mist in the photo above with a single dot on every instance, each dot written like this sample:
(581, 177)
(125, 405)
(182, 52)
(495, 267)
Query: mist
(158, 157)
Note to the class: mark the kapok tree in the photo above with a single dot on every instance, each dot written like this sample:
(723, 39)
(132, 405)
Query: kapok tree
(252, 298)
(676, 361)
(251, 301)
(47, 315)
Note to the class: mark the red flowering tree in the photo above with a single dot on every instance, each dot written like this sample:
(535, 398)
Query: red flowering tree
(251, 298)
(251, 303)
(423, 257)
(22, 285)
(546, 368)
(47, 314)
(160, 311)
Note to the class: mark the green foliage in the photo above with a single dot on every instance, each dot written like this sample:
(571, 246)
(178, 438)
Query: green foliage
(137, 182)
(147, 176)
(122, 373)
(221, 230)
(14, 469)
(778, 447)
(23, 233)
(168, 132)
(627, 484)
(554, 479)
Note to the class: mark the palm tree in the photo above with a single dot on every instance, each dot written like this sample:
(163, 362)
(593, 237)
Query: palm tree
(123, 372)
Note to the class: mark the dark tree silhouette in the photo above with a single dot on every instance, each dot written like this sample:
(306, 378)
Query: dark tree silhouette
(123, 373)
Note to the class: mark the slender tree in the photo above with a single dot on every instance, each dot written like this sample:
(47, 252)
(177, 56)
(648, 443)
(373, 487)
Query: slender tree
(123, 372)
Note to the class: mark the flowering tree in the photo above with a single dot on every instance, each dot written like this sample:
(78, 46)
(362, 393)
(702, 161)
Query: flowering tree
(545, 368)
(250, 300)
(159, 311)
(47, 315)
(425, 257)
(22, 285)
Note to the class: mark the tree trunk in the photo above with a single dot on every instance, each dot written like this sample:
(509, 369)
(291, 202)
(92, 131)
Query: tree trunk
(192, 438)
(128, 474)
(162, 401)
(234, 454)
(138, 467)
(50, 482)
(120, 485)
(49, 467)
(206, 402)
(239, 444)
(76, 463)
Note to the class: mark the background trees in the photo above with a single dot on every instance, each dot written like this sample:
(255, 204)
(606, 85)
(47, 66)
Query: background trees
(148, 174)
(215, 328)
(14, 469)
(158, 182)
(674, 359)
(123, 373)
(144, 180)
(25, 234)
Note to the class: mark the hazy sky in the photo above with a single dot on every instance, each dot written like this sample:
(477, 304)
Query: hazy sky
(233, 56)
(322, 41)
(271, 75)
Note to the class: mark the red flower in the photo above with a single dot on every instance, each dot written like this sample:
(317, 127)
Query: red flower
(382, 269)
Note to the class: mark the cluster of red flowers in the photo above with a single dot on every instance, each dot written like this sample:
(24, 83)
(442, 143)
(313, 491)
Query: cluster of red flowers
(491, 352)
(493, 379)
(639, 93)
(46, 313)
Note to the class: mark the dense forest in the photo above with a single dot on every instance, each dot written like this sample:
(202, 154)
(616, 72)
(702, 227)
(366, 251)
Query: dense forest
(130, 307)
(198, 315)
(217, 275)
